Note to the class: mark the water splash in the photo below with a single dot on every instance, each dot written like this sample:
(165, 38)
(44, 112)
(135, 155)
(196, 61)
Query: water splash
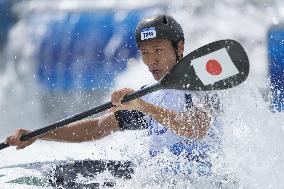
(253, 137)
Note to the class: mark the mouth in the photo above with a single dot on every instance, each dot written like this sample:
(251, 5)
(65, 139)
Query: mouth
(156, 72)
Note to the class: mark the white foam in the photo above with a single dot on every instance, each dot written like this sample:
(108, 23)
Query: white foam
(253, 135)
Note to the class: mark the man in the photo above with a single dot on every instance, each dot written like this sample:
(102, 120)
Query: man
(181, 122)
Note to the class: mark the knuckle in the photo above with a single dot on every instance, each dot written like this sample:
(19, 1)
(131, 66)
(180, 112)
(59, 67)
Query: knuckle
(21, 145)
(22, 130)
(7, 140)
(112, 97)
(19, 130)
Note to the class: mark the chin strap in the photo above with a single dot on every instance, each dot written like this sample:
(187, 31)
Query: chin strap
(175, 46)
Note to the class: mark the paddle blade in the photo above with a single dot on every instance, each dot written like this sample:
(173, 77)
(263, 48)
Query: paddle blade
(219, 65)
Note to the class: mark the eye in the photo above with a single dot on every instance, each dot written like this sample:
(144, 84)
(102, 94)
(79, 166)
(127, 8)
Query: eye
(158, 50)
(144, 52)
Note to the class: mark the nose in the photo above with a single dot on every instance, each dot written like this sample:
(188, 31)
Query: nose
(153, 59)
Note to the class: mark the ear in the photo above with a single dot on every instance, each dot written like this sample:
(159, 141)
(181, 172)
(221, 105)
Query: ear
(180, 48)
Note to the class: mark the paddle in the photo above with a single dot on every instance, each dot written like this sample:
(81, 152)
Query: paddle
(219, 65)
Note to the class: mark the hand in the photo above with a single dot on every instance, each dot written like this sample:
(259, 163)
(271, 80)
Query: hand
(14, 140)
(118, 95)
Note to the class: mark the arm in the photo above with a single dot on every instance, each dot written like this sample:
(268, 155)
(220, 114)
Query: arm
(84, 130)
(192, 124)
(80, 131)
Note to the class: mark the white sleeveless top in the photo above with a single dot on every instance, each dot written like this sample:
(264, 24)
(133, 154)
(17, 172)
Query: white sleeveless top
(162, 138)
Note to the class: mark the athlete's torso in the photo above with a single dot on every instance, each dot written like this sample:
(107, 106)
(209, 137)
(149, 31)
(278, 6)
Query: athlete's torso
(196, 150)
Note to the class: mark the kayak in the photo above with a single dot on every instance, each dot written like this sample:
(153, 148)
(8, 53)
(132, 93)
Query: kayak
(66, 174)
(91, 174)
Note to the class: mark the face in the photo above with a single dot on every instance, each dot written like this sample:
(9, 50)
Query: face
(159, 55)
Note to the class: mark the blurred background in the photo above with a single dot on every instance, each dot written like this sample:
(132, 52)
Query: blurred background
(60, 57)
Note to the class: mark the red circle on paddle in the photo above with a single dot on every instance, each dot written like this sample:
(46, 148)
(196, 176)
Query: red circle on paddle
(214, 67)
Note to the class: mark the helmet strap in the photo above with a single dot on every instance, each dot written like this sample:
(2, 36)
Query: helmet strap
(175, 46)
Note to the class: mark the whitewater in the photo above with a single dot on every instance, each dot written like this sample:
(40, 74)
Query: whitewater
(253, 134)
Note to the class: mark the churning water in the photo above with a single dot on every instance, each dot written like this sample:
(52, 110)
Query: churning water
(253, 135)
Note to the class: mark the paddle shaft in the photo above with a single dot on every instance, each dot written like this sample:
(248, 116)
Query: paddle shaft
(85, 114)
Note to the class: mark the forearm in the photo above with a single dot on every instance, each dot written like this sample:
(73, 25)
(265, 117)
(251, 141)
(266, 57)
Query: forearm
(79, 131)
(193, 124)
(84, 130)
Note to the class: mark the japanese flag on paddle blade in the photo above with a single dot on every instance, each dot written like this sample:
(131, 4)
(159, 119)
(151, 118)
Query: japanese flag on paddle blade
(214, 67)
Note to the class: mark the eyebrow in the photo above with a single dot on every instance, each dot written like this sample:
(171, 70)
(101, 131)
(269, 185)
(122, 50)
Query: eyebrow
(156, 45)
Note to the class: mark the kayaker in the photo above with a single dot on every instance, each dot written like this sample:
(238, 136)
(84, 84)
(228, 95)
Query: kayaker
(185, 123)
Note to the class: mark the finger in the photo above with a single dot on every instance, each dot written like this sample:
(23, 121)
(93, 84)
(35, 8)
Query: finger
(113, 94)
(17, 136)
(115, 98)
(129, 90)
(118, 95)
(112, 109)
(124, 92)
(19, 133)
(11, 141)
(21, 146)
(7, 140)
